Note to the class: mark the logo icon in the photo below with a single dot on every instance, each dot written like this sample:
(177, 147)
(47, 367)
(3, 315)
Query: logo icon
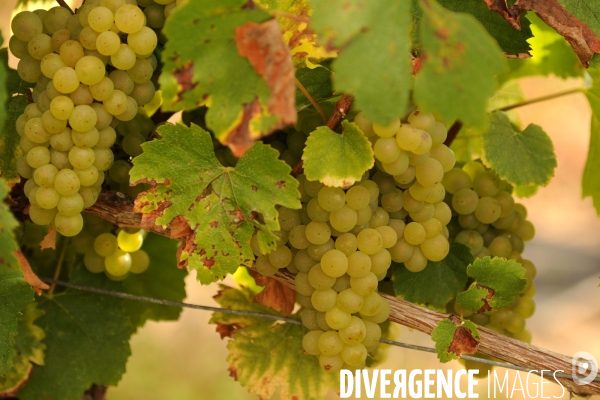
(583, 364)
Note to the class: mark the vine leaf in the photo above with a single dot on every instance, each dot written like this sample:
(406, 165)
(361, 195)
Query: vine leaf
(275, 294)
(522, 158)
(29, 275)
(222, 206)
(370, 34)
(245, 43)
(317, 81)
(161, 280)
(438, 283)
(591, 177)
(28, 349)
(453, 338)
(511, 40)
(459, 56)
(15, 292)
(576, 20)
(497, 284)
(337, 159)
(87, 340)
(266, 357)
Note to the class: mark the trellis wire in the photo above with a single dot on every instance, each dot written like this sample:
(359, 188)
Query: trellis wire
(128, 296)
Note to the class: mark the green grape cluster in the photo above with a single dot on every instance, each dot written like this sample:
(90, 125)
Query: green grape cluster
(115, 255)
(92, 70)
(338, 245)
(412, 159)
(489, 221)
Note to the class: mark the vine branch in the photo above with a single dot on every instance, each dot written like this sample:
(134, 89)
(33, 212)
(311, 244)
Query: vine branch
(453, 132)
(540, 99)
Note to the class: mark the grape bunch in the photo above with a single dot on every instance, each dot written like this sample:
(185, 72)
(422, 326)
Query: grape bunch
(92, 70)
(115, 255)
(338, 245)
(412, 159)
(490, 223)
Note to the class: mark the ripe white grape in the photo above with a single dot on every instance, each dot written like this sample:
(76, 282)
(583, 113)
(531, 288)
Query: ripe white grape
(70, 52)
(39, 46)
(66, 80)
(88, 176)
(100, 19)
(369, 241)
(66, 182)
(103, 160)
(71, 205)
(68, 225)
(62, 141)
(130, 111)
(44, 175)
(41, 216)
(140, 261)
(310, 342)
(38, 156)
(90, 70)
(142, 42)
(81, 157)
(118, 263)
(25, 25)
(85, 139)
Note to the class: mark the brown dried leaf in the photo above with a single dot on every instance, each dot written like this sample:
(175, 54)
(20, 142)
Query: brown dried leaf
(582, 38)
(263, 46)
(29, 275)
(275, 294)
(463, 342)
(49, 241)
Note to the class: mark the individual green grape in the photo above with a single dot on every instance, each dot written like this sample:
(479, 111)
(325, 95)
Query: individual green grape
(117, 103)
(264, 266)
(142, 71)
(130, 112)
(17, 47)
(155, 16)
(363, 216)
(433, 227)
(380, 261)
(369, 241)
(23, 168)
(525, 231)
(102, 90)
(303, 261)
(420, 192)
(45, 175)
(119, 172)
(423, 147)
(430, 172)
(122, 82)
(68, 225)
(90, 70)
(132, 144)
(302, 283)
(342, 283)
(93, 262)
(468, 221)
(424, 214)
(85, 139)
(288, 218)
(144, 94)
(81, 157)
(414, 233)
(38, 156)
(344, 219)
(105, 244)
(309, 319)
(316, 251)
(130, 242)
(421, 120)
(386, 149)
(525, 307)
(71, 205)
(372, 334)
(103, 159)
(66, 182)
(61, 108)
(88, 37)
(436, 248)
(316, 212)
(417, 261)
(398, 166)
(71, 52)
(354, 355)
(281, 257)
(379, 217)
(372, 304)
(386, 131)
(124, 58)
(358, 197)
(35, 132)
(323, 300)
(100, 19)
(372, 187)
(470, 238)
(334, 263)
(310, 342)
(330, 343)
(439, 133)
(364, 285)
(118, 263)
(349, 301)
(500, 247)
(388, 235)
(62, 141)
(41, 216)
(408, 137)
(346, 243)
(317, 232)
(331, 199)
(501, 319)
(487, 184)
(297, 237)
(319, 279)
(507, 203)
(129, 18)
(82, 96)
(39, 46)
(29, 69)
(465, 201)
(393, 201)
(331, 364)
(381, 316)
(354, 333)
(337, 318)
(488, 210)
(456, 179)
(140, 261)
(524, 336)
(473, 168)
(25, 25)
(143, 42)
(83, 118)
(359, 264)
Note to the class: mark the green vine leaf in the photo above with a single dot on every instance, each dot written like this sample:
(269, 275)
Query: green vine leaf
(266, 357)
(317, 82)
(522, 158)
(453, 338)
(591, 177)
(87, 340)
(337, 159)
(28, 349)
(497, 284)
(215, 32)
(371, 34)
(222, 206)
(460, 57)
(15, 292)
(161, 280)
(438, 283)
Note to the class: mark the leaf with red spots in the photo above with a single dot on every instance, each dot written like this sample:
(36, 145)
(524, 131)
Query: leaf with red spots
(232, 59)
(460, 62)
(215, 209)
(453, 338)
(15, 292)
(267, 356)
(497, 284)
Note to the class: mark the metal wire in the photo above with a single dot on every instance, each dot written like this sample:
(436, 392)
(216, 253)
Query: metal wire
(128, 296)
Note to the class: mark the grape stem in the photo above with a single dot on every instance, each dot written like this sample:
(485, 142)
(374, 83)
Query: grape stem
(59, 264)
(341, 110)
(64, 5)
(453, 132)
(314, 103)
